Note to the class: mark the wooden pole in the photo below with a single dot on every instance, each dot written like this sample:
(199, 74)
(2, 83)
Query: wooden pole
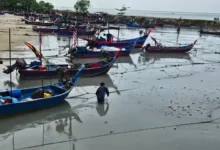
(118, 34)
(10, 61)
(69, 42)
(43, 136)
(13, 141)
(40, 41)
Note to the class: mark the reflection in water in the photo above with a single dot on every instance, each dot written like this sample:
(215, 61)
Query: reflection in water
(9, 83)
(127, 60)
(16, 123)
(152, 58)
(101, 109)
(64, 126)
(62, 120)
(83, 81)
(178, 33)
(60, 125)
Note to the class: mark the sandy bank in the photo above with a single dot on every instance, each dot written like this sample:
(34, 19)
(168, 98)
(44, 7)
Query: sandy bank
(19, 32)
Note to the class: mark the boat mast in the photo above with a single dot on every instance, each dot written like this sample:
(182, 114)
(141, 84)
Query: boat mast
(10, 61)
(118, 33)
(76, 31)
(108, 28)
(40, 41)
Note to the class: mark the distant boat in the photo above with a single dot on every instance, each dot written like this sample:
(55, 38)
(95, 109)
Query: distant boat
(133, 25)
(55, 29)
(209, 32)
(166, 49)
(38, 23)
(79, 32)
(2, 13)
(216, 19)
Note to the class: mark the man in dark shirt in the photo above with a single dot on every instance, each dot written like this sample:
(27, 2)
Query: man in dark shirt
(100, 93)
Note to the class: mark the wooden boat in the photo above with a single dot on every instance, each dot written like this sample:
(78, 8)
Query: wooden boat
(19, 14)
(79, 32)
(119, 44)
(36, 70)
(54, 29)
(23, 100)
(83, 52)
(39, 23)
(164, 49)
(133, 25)
(209, 32)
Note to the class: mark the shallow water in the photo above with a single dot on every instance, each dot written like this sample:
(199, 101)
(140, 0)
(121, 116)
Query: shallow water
(154, 101)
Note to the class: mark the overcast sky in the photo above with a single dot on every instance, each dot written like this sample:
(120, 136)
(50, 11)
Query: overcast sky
(212, 6)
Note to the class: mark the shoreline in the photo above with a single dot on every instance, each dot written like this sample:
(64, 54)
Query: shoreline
(212, 24)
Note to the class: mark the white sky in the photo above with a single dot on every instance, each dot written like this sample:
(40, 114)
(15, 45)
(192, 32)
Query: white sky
(211, 6)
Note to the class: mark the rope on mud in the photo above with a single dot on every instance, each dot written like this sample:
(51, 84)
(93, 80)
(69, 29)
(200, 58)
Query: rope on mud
(122, 65)
(138, 70)
(95, 93)
(122, 132)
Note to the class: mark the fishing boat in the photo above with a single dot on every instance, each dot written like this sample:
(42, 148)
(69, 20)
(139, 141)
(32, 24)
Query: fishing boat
(79, 32)
(36, 70)
(164, 49)
(30, 99)
(2, 13)
(119, 44)
(54, 29)
(84, 52)
(39, 23)
(133, 25)
(209, 32)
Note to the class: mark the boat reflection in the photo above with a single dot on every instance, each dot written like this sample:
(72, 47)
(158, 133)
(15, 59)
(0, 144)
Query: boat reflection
(83, 81)
(152, 58)
(127, 60)
(18, 122)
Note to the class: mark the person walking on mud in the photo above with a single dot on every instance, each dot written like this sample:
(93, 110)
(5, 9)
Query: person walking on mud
(100, 93)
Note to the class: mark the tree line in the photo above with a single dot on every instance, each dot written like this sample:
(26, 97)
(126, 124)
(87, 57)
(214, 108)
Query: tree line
(26, 6)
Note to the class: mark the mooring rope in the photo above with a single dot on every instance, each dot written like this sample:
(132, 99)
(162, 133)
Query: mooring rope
(123, 132)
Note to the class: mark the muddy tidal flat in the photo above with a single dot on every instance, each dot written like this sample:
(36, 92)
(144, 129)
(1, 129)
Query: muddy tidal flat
(157, 101)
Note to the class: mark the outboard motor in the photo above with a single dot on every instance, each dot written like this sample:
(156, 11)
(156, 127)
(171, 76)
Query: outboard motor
(141, 32)
(63, 74)
(72, 52)
(109, 37)
(105, 54)
(147, 46)
(19, 64)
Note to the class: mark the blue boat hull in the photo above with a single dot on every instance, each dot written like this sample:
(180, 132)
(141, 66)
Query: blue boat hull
(182, 49)
(23, 100)
(83, 53)
(122, 43)
(9, 109)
